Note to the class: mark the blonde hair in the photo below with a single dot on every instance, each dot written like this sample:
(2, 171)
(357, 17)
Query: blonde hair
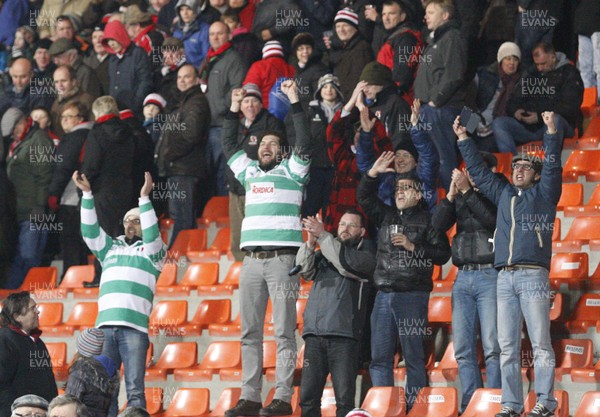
(104, 105)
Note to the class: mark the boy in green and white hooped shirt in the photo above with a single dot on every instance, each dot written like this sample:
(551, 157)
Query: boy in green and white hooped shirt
(131, 264)
(271, 235)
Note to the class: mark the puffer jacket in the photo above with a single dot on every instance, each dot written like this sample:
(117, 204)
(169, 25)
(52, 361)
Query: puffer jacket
(93, 383)
(195, 41)
(337, 303)
(525, 219)
(399, 270)
(475, 218)
(247, 139)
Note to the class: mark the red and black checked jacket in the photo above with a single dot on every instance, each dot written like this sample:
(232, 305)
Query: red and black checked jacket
(340, 138)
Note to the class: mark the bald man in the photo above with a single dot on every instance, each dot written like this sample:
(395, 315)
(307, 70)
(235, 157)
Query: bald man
(22, 92)
(67, 90)
(218, 78)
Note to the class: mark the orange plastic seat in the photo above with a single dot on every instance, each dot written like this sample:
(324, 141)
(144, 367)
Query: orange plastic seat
(229, 284)
(581, 232)
(586, 375)
(58, 358)
(400, 372)
(447, 369)
(216, 210)
(572, 353)
(154, 397)
(219, 355)
(230, 328)
(177, 355)
(484, 402)
(504, 162)
(572, 195)
(187, 241)
(270, 372)
(82, 316)
(228, 399)
(445, 285)
(590, 101)
(196, 274)
(385, 402)
(168, 275)
(569, 268)
(208, 312)
(589, 405)
(38, 280)
(581, 163)
(76, 276)
(435, 402)
(440, 310)
(562, 397)
(168, 317)
(591, 207)
(221, 245)
(189, 402)
(586, 314)
(50, 317)
(556, 305)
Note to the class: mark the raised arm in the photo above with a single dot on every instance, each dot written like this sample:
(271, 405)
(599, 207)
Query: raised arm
(154, 247)
(551, 180)
(231, 123)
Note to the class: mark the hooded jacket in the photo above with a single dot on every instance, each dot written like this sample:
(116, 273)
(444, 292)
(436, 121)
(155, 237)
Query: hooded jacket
(264, 74)
(441, 80)
(93, 380)
(342, 273)
(559, 90)
(130, 73)
(194, 35)
(398, 269)
(525, 220)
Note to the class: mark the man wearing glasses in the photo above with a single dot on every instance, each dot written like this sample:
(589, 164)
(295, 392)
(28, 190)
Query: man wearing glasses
(25, 365)
(523, 248)
(131, 264)
(29, 405)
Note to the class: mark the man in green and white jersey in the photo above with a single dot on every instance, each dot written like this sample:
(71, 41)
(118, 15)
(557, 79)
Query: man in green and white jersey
(271, 235)
(131, 265)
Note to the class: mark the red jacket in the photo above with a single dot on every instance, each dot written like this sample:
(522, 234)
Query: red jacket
(347, 175)
(265, 72)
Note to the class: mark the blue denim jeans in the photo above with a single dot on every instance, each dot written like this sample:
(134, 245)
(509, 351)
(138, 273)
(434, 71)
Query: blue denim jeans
(182, 203)
(400, 315)
(509, 132)
(589, 59)
(129, 346)
(30, 249)
(322, 355)
(525, 294)
(473, 306)
(440, 120)
(216, 159)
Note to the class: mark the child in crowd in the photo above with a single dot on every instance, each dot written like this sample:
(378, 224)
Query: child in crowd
(154, 104)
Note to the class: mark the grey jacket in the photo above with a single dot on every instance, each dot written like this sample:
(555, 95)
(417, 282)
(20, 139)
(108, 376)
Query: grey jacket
(226, 74)
(342, 273)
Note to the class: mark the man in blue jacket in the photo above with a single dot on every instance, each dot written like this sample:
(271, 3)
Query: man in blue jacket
(523, 248)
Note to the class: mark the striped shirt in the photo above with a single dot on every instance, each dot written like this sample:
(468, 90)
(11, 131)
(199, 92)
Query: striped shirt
(273, 200)
(129, 272)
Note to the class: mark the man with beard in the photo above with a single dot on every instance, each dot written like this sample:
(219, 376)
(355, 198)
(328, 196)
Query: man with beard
(131, 264)
(271, 235)
(335, 313)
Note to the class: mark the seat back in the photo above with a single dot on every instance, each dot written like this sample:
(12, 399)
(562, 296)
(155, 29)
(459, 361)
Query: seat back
(440, 309)
(584, 228)
(83, 315)
(205, 273)
(580, 162)
(178, 355)
(589, 405)
(221, 355)
(168, 275)
(213, 312)
(574, 353)
(217, 206)
(50, 314)
(595, 197)
(58, 354)
(228, 399)
(39, 279)
(233, 274)
(76, 276)
(435, 402)
(270, 354)
(385, 402)
(222, 241)
(572, 195)
(569, 265)
(169, 313)
(154, 397)
(187, 241)
(189, 402)
(484, 402)
(587, 308)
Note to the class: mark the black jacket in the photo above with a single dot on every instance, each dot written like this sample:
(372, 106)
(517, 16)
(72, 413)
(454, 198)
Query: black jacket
(68, 154)
(90, 382)
(475, 218)
(181, 149)
(587, 17)
(25, 368)
(348, 62)
(307, 78)
(337, 303)
(393, 112)
(247, 139)
(399, 270)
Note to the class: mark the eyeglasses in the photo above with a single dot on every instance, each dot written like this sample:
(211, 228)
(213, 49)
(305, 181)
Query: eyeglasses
(524, 167)
(31, 414)
(131, 221)
(68, 116)
(32, 308)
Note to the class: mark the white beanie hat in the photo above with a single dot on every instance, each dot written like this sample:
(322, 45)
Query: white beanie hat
(508, 49)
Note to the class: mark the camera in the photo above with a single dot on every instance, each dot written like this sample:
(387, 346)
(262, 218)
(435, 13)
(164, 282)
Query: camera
(469, 119)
